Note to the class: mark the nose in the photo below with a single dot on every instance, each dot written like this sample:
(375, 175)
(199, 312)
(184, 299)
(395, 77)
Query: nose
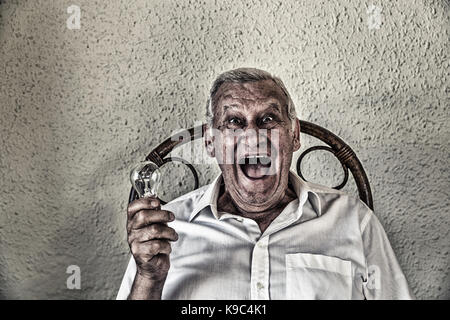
(253, 139)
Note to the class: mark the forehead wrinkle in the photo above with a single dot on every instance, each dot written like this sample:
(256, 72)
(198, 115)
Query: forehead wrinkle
(243, 95)
(230, 106)
(229, 101)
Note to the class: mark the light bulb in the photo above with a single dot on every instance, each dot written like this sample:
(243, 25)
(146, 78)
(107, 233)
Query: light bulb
(145, 178)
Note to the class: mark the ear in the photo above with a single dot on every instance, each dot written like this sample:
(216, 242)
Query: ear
(297, 143)
(209, 142)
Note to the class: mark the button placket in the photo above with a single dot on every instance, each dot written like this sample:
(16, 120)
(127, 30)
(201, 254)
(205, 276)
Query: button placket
(260, 270)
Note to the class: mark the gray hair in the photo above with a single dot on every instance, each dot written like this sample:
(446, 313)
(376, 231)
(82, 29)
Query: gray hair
(242, 75)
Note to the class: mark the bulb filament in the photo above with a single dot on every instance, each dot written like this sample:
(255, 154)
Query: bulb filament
(145, 176)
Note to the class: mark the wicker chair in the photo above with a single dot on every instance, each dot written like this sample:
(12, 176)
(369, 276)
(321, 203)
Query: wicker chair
(336, 146)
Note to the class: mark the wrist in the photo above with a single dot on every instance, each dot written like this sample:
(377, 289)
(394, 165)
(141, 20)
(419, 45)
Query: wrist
(146, 287)
(149, 279)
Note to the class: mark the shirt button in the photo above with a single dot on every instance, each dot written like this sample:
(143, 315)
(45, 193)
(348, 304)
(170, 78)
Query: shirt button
(260, 286)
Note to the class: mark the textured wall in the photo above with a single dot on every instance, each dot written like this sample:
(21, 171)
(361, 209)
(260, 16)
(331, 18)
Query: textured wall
(78, 107)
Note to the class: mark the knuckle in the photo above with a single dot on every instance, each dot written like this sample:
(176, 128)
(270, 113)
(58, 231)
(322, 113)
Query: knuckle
(131, 236)
(151, 229)
(140, 218)
(154, 202)
(156, 245)
(134, 248)
(129, 209)
(155, 229)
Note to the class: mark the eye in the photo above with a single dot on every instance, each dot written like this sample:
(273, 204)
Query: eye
(235, 121)
(267, 119)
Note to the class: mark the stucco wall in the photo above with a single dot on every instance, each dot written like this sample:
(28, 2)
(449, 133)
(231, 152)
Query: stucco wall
(79, 107)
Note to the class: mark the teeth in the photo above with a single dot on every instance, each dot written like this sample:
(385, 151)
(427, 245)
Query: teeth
(265, 160)
(255, 159)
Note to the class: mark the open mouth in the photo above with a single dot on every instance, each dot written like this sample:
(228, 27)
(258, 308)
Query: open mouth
(255, 166)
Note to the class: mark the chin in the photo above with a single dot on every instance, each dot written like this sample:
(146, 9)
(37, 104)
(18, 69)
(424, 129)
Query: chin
(259, 189)
(255, 193)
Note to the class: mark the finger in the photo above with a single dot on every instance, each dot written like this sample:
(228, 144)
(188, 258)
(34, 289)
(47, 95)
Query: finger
(155, 247)
(153, 232)
(142, 204)
(146, 217)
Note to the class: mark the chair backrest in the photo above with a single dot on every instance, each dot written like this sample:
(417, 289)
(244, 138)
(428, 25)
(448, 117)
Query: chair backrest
(336, 146)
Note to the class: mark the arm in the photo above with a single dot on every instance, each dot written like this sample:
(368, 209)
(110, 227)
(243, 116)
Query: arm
(146, 289)
(384, 277)
(148, 238)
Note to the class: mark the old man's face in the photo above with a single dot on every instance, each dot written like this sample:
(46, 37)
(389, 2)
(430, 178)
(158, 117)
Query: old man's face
(256, 142)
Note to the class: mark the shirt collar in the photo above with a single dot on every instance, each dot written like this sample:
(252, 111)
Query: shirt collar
(209, 198)
(301, 188)
(305, 192)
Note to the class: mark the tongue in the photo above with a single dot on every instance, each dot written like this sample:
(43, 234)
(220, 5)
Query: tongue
(255, 171)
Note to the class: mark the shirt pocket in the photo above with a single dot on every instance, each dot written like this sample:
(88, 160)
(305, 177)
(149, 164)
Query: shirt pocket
(316, 276)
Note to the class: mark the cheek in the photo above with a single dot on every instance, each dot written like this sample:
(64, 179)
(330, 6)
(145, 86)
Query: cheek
(229, 149)
(283, 142)
(224, 148)
(286, 149)
(228, 142)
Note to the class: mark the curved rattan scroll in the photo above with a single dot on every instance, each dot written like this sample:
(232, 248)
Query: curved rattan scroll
(345, 155)
(304, 153)
(337, 146)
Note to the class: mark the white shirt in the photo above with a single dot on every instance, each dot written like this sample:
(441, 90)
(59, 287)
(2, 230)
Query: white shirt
(323, 245)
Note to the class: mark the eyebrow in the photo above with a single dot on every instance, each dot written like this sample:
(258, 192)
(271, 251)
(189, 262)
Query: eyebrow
(272, 105)
(275, 106)
(230, 106)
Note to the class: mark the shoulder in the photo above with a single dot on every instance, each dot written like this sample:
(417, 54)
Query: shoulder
(334, 201)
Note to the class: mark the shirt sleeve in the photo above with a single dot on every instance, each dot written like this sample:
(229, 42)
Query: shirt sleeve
(127, 281)
(384, 278)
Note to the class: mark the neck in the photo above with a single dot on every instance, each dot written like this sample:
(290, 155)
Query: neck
(264, 218)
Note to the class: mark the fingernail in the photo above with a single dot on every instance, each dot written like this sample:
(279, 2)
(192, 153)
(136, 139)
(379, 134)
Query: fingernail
(172, 216)
(155, 203)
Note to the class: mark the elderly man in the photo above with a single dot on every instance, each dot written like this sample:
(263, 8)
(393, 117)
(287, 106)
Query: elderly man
(258, 231)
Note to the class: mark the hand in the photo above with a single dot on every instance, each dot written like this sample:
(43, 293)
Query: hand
(149, 236)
